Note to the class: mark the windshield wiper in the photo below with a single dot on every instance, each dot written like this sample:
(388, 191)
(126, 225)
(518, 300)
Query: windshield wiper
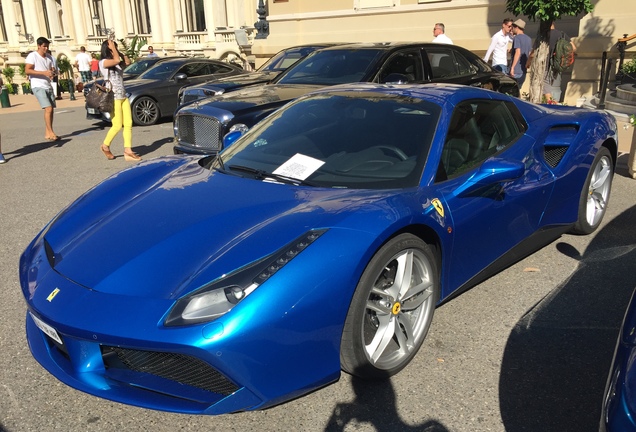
(262, 174)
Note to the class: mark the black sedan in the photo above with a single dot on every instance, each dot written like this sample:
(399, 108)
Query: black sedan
(266, 73)
(153, 94)
(200, 126)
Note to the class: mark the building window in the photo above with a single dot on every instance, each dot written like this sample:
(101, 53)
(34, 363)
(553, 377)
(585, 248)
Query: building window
(193, 15)
(142, 16)
(3, 28)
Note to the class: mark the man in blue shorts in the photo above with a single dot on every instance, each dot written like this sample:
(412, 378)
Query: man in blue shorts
(40, 68)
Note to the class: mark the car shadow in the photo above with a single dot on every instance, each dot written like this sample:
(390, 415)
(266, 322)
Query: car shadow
(375, 404)
(557, 357)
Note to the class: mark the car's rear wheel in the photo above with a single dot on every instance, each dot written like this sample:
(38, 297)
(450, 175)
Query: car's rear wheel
(391, 310)
(595, 193)
(145, 111)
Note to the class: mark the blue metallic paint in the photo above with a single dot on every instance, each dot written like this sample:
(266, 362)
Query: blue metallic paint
(194, 225)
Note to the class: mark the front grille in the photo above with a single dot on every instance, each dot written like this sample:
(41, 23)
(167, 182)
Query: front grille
(199, 131)
(554, 154)
(175, 367)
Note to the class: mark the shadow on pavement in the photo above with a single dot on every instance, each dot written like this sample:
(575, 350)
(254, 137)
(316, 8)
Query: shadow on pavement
(558, 355)
(375, 405)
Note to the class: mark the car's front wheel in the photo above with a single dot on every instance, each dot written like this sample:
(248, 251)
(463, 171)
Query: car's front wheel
(145, 111)
(391, 310)
(595, 193)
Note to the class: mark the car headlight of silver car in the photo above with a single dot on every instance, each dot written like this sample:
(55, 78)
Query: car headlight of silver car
(220, 296)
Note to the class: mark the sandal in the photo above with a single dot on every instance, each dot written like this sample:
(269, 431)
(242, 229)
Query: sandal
(53, 138)
(132, 157)
(106, 151)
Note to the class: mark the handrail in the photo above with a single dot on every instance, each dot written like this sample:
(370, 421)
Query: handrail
(626, 38)
(608, 64)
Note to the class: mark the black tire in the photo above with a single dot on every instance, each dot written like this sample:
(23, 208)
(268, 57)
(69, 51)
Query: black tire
(145, 111)
(595, 193)
(386, 312)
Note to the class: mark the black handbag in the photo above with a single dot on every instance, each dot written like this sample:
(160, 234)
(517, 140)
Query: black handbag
(101, 97)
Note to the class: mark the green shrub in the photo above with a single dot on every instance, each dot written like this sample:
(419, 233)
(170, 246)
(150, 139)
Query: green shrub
(629, 67)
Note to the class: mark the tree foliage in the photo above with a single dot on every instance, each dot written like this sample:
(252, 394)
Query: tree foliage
(133, 49)
(546, 12)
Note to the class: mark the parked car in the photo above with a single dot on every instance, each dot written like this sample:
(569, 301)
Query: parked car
(618, 413)
(320, 240)
(199, 128)
(153, 93)
(266, 73)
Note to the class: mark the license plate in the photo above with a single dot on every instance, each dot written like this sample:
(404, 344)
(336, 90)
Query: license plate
(93, 111)
(47, 329)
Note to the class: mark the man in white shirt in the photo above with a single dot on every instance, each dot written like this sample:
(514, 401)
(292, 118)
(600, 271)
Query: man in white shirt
(440, 36)
(40, 68)
(499, 47)
(83, 65)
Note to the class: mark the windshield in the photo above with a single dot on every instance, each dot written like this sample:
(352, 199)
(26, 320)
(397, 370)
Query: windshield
(139, 66)
(333, 66)
(286, 58)
(341, 140)
(161, 71)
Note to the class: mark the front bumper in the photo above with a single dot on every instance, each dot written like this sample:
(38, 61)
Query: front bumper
(262, 353)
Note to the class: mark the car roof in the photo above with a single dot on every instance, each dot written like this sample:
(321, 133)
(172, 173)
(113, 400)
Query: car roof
(440, 93)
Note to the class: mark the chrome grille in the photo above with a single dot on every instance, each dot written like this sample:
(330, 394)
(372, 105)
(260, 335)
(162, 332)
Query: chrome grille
(176, 367)
(199, 131)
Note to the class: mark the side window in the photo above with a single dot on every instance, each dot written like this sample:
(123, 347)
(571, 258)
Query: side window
(478, 129)
(195, 69)
(442, 62)
(219, 69)
(406, 63)
(464, 66)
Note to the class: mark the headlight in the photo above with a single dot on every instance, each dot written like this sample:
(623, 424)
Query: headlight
(220, 296)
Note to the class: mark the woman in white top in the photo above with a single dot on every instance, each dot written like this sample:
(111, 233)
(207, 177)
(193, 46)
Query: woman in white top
(111, 66)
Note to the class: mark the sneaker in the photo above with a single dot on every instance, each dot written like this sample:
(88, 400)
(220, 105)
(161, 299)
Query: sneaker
(2, 159)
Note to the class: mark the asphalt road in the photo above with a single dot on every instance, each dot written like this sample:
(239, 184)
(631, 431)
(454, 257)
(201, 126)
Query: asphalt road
(527, 350)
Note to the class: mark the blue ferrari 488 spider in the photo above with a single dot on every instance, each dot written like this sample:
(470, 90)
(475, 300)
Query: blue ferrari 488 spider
(320, 240)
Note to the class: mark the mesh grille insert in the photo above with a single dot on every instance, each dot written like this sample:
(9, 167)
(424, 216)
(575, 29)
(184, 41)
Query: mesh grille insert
(199, 131)
(554, 154)
(176, 367)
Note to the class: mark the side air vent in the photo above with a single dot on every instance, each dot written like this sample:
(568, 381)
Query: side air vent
(557, 143)
(554, 154)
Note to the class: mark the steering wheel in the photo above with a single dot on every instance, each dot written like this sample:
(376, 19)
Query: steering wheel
(398, 152)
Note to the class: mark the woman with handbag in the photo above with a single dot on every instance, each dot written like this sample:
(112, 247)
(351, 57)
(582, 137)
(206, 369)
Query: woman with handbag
(111, 66)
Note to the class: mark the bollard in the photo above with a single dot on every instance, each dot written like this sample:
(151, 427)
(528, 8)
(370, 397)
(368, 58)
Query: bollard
(71, 89)
(4, 97)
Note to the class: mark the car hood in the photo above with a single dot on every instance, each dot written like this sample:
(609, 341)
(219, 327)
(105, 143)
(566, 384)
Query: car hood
(168, 226)
(256, 96)
(239, 81)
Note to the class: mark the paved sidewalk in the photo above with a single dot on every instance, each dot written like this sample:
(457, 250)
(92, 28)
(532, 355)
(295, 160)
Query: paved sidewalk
(23, 103)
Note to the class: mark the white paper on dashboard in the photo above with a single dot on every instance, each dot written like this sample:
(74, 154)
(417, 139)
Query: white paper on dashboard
(299, 167)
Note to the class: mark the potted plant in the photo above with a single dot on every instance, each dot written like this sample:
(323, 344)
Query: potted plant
(26, 85)
(629, 71)
(9, 73)
(66, 71)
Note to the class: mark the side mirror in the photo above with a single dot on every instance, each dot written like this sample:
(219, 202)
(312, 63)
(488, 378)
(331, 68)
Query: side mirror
(236, 131)
(180, 77)
(491, 172)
